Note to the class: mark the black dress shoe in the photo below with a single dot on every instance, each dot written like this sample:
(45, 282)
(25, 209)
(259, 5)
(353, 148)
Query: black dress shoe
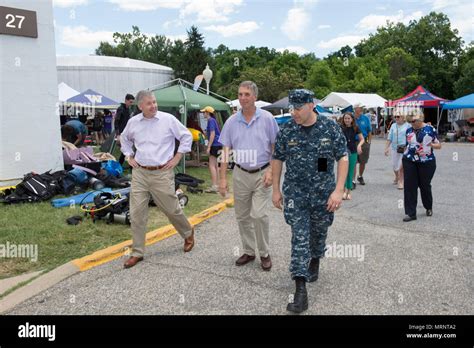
(409, 218)
(244, 259)
(429, 212)
(313, 270)
(300, 300)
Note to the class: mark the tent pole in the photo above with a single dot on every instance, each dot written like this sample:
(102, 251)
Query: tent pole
(184, 119)
(376, 121)
(437, 120)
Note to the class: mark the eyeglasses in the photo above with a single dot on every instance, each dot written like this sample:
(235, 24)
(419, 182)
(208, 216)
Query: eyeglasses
(413, 121)
(397, 116)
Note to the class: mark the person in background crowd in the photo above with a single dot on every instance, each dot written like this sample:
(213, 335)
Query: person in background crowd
(396, 140)
(214, 147)
(75, 132)
(107, 129)
(138, 111)
(355, 140)
(419, 165)
(373, 121)
(388, 123)
(121, 119)
(382, 126)
(193, 122)
(97, 126)
(363, 122)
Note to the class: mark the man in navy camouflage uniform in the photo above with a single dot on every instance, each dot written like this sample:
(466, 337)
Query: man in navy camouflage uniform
(310, 144)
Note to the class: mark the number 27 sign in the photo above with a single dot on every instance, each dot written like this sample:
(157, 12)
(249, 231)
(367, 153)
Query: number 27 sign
(14, 21)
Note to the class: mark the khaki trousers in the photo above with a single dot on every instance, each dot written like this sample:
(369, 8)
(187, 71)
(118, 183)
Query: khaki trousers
(251, 201)
(160, 184)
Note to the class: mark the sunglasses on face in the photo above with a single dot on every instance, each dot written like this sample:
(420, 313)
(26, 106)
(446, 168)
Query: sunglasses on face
(413, 121)
(397, 116)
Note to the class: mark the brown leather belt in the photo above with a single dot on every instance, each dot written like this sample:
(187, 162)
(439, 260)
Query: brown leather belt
(152, 167)
(253, 170)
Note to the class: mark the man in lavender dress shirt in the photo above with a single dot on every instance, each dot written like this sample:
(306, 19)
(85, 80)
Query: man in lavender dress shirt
(148, 143)
(249, 138)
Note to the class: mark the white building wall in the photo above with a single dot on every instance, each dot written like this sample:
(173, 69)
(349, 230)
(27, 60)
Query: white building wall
(30, 135)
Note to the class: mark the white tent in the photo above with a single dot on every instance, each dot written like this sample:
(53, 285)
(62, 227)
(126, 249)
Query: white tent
(343, 100)
(259, 103)
(65, 92)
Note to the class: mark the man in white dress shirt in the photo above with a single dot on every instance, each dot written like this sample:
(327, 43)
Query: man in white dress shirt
(152, 134)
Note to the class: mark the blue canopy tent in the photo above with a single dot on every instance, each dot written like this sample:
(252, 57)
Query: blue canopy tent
(466, 102)
(93, 99)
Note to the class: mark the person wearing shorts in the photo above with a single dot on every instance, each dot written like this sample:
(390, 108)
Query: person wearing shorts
(214, 147)
(396, 141)
(363, 122)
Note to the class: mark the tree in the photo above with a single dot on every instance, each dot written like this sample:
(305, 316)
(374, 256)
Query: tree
(430, 41)
(177, 62)
(344, 52)
(436, 46)
(159, 50)
(465, 84)
(320, 79)
(402, 72)
(187, 59)
(390, 62)
(228, 66)
(391, 35)
(129, 45)
(271, 86)
(365, 81)
(195, 56)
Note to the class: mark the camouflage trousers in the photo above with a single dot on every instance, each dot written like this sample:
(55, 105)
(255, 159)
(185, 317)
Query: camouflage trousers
(309, 228)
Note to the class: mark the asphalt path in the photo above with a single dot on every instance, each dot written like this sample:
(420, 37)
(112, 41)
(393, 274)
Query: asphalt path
(378, 265)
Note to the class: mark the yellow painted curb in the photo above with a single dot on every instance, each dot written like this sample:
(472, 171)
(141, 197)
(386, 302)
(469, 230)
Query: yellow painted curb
(3, 188)
(111, 253)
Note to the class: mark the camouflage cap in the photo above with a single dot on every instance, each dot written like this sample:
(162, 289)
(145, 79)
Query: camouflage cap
(298, 97)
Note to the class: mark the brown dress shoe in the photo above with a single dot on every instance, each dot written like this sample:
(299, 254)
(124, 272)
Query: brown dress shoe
(244, 259)
(132, 261)
(189, 242)
(266, 263)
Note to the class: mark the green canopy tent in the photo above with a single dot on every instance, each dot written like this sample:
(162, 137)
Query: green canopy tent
(179, 100)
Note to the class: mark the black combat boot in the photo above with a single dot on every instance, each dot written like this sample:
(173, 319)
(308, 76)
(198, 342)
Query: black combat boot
(300, 301)
(313, 270)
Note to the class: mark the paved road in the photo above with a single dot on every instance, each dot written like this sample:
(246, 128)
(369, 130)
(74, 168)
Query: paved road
(421, 267)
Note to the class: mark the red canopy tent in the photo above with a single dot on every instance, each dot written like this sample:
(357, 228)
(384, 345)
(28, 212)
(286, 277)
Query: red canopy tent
(419, 97)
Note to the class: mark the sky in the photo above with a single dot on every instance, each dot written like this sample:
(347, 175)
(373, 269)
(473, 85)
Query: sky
(301, 26)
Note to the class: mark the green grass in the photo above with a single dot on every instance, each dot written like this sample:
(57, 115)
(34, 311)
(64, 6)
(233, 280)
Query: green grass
(59, 243)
